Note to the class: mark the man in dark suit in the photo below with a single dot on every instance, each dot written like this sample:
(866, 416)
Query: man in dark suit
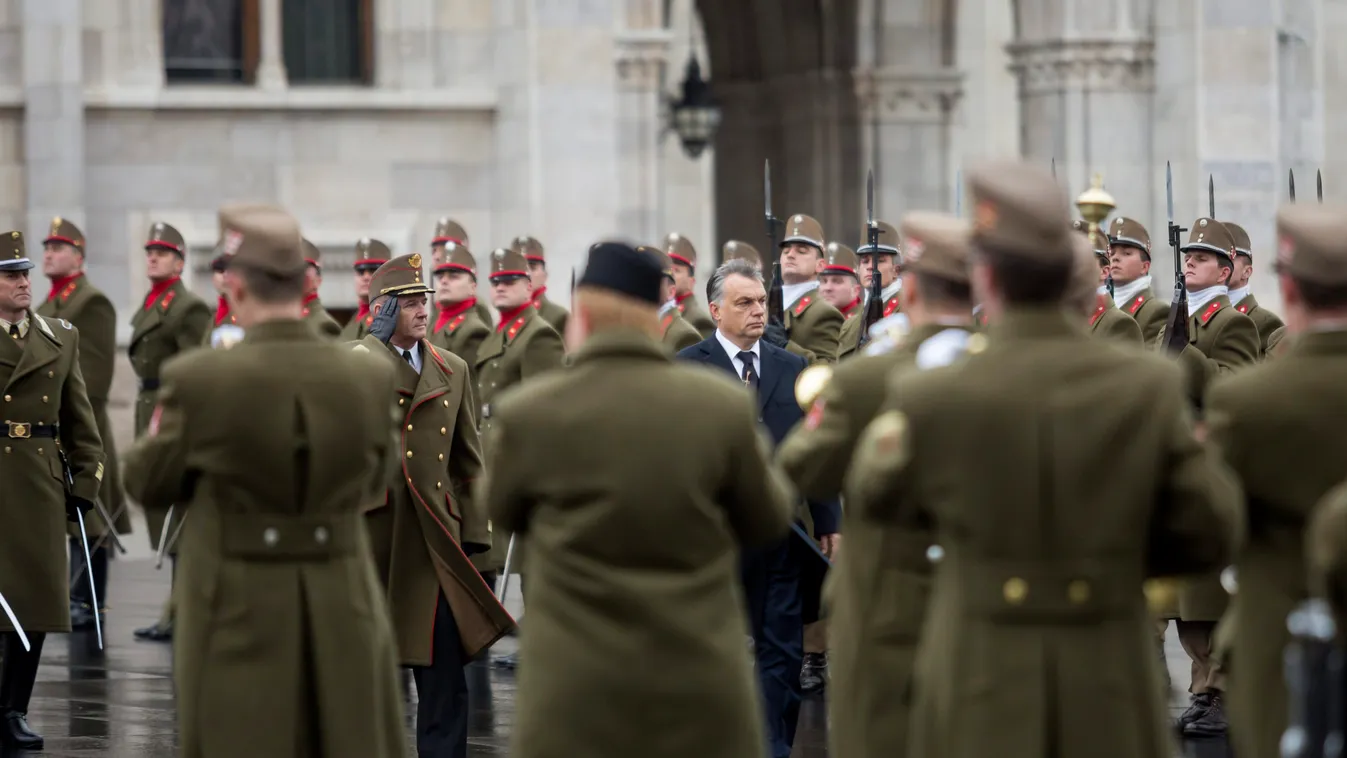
(744, 345)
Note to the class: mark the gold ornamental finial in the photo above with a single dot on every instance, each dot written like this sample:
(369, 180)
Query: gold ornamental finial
(810, 384)
(1095, 204)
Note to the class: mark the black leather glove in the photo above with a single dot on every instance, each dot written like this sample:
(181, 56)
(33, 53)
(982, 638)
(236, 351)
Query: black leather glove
(386, 322)
(76, 504)
(775, 334)
(474, 548)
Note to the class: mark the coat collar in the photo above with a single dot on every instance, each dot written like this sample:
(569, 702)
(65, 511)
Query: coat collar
(40, 348)
(1327, 342)
(1030, 323)
(280, 330)
(620, 345)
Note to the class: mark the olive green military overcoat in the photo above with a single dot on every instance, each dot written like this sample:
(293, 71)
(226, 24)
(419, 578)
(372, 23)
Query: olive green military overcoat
(1266, 321)
(1301, 391)
(318, 317)
(677, 332)
(1277, 344)
(553, 314)
(1149, 313)
(1107, 322)
(1326, 551)
(516, 351)
(634, 590)
(282, 643)
(356, 329)
(815, 329)
(430, 515)
(42, 384)
(1040, 640)
(877, 590)
(176, 322)
(462, 336)
(849, 340)
(1221, 340)
(92, 314)
(697, 315)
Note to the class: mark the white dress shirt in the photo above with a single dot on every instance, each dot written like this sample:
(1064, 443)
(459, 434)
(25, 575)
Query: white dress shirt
(733, 351)
(416, 356)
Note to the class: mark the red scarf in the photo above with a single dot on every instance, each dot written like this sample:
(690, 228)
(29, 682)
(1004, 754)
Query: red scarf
(363, 310)
(221, 311)
(157, 289)
(538, 297)
(309, 298)
(682, 297)
(452, 312)
(59, 284)
(848, 308)
(511, 315)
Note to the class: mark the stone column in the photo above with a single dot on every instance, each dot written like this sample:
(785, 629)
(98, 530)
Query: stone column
(271, 59)
(53, 116)
(642, 58)
(906, 130)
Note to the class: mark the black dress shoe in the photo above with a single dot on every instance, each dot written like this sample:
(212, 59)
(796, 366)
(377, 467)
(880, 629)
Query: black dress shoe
(82, 617)
(17, 734)
(814, 673)
(1211, 723)
(1196, 707)
(508, 662)
(155, 633)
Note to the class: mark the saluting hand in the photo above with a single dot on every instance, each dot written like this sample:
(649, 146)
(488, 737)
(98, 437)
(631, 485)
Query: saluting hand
(386, 321)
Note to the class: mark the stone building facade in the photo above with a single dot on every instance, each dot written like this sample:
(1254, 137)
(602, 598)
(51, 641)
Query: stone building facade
(546, 117)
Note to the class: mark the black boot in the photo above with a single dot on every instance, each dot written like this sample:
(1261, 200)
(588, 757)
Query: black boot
(814, 673)
(16, 689)
(1197, 706)
(1211, 723)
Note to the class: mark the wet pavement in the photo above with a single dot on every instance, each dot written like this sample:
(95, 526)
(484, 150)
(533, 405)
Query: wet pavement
(118, 703)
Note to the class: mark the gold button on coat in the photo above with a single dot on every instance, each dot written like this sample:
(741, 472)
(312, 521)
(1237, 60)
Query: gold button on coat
(1015, 590)
(8, 398)
(441, 456)
(270, 536)
(402, 401)
(409, 453)
(320, 535)
(44, 398)
(443, 431)
(409, 427)
(1078, 592)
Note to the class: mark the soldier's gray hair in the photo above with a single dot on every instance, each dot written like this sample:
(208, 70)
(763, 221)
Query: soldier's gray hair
(715, 286)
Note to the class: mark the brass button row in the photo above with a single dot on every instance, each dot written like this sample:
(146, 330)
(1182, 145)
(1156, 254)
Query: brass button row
(1016, 591)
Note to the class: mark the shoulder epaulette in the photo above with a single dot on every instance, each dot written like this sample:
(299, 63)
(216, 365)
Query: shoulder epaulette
(801, 306)
(1136, 304)
(168, 298)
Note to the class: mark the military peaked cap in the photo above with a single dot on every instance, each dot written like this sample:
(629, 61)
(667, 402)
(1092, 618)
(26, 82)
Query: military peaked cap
(457, 258)
(312, 255)
(738, 250)
(936, 244)
(888, 239)
(680, 249)
(13, 256)
(1241, 237)
(449, 230)
(508, 263)
(802, 228)
(1312, 243)
(400, 276)
(62, 230)
(165, 237)
(264, 238)
(370, 254)
(530, 247)
(664, 259)
(1020, 210)
(1130, 233)
(840, 259)
(1210, 236)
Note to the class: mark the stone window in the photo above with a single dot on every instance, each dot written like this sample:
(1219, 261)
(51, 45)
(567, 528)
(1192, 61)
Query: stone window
(210, 40)
(328, 41)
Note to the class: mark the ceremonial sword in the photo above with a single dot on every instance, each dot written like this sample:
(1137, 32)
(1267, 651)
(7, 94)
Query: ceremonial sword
(503, 583)
(4, 604)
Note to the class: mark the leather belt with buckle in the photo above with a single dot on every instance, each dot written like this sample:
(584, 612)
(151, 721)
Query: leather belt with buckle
(20, 431)
(149, 385)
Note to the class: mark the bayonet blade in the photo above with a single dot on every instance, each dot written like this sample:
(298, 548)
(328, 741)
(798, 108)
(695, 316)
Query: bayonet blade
(1292, 183)
(1211, 196)
(1319, 184)
(767, 185)
(958, 193)
(1169, 191)
(870, 198)
(1054, 169)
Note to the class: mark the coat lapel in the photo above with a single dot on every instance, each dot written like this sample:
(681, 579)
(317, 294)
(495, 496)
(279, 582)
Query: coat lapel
(773, 368)
(40, 348)
(715, 355)
(145, 321)
(434, 379)
(493, 346)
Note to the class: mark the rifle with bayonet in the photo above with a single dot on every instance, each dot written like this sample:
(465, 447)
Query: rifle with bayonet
(776, 305)
(1176, 325)
(1319, 184)
(874, 308)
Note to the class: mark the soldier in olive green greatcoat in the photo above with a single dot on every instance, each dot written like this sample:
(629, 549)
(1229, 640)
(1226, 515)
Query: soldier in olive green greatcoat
(814, 326)
(449, 232)
(1038, 599)
(74, 299)
(886, 257)
(1326, 552)
(172, 320)
(1089, 295)
(637, 597)
(1220, 340)
(223, 314)
(839, 283)
(520, 348)
(444, 614)
(1282, 485)
(1241, 294)
(676, 332)
(370, 254)
(48, 422)
(283, 645)
(532, 250)
(314, 313)
(1130, 263)
(1277, 344)
(684, 256)
(877, 589)
(458, 325)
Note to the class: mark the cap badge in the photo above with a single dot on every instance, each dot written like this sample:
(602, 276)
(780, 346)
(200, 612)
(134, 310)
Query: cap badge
(363, 244)
(55, 224)
(15, 235)
(985, 216)
(797, 219)
(415, 260)
(499, 255)
(232, 241)
(1203, 222)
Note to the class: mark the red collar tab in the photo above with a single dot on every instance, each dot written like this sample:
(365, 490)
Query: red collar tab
(221, 310)
(1210, 311)
(1242, 308)
(891, 306)
(538, 295)
(158, 289)
(1136, 304)
(851, 306)
(803, 304)
(508, 316)
(1099, 309)
(65, 286)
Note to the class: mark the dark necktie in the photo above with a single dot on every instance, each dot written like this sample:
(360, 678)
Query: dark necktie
(14, 331)
(408, 355)
(750, 374)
